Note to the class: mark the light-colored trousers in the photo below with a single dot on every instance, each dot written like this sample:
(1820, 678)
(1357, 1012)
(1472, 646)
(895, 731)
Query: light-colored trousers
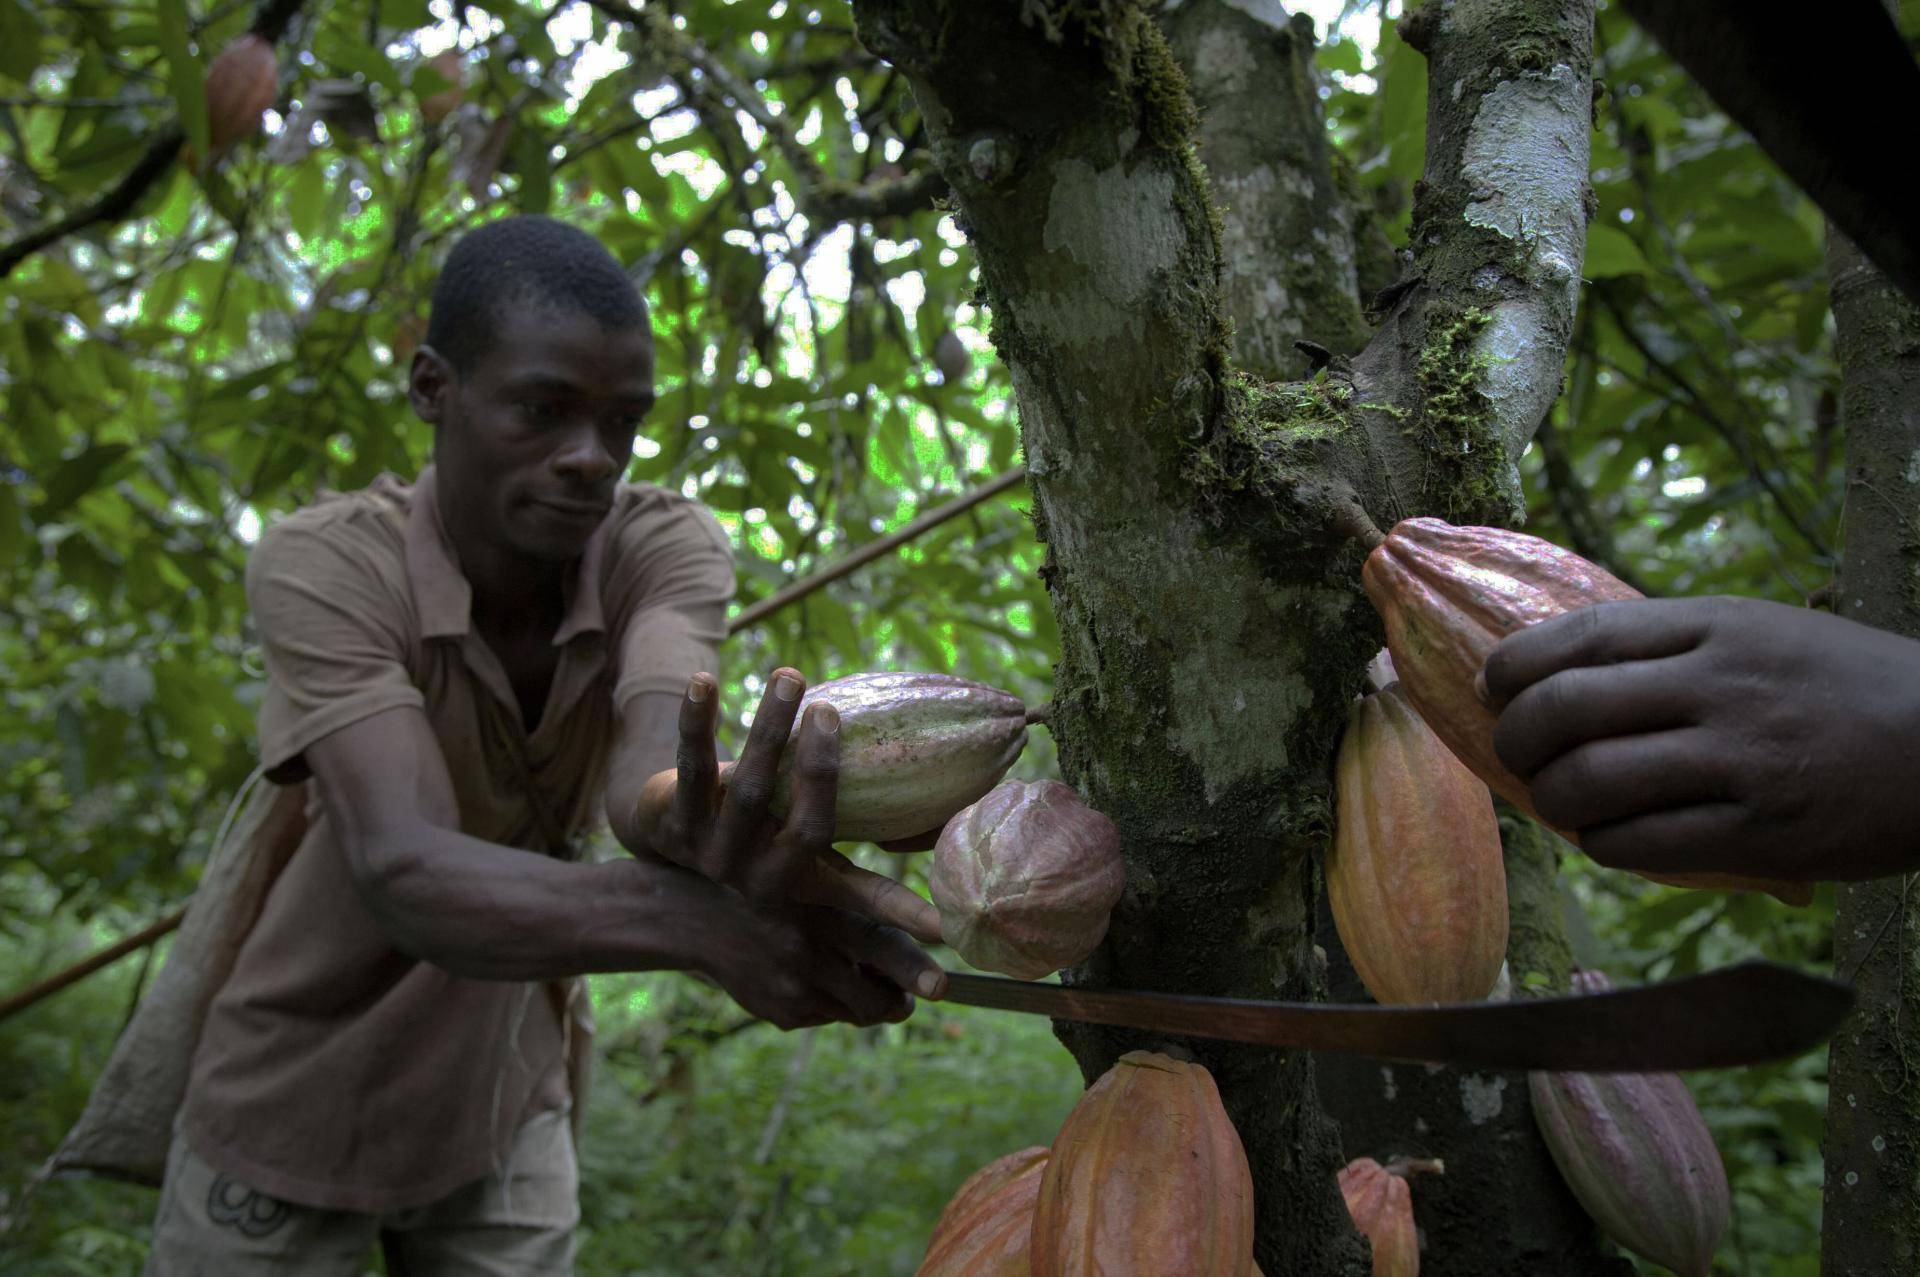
(516, 1224)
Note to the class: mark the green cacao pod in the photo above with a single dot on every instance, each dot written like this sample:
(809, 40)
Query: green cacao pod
(1415, 876)
(1147, 1179)
(914, 749)
(1448, 595)
(984, 1231)
(1026, 878)
(1636, 1152)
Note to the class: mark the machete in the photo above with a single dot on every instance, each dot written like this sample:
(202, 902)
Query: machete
(1742, 1014)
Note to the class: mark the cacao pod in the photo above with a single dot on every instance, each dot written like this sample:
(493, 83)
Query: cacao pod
(1382, 1209)
(1636, 1152)
(435, 107)
(1147, 1179)
(1447, 595)
(1415, 875)
(914, 749)
(984, 1230)
(242, 82)
(1025, 879)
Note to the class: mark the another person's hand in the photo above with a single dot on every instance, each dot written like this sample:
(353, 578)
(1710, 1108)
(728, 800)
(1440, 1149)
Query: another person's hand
(688, 816)
(1717, 735)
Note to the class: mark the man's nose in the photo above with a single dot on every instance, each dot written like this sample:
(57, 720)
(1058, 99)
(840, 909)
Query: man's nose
(584, 458)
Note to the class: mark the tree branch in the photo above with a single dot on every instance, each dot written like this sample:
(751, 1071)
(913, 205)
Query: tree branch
(269, 23)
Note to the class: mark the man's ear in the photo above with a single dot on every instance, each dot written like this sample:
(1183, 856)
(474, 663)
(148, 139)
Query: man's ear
(429, 382)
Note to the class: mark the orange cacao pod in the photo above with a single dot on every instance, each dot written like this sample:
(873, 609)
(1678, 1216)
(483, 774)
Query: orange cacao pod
(1448, 595)
(1025, 879)
(1147, 1179)
(1415, 875)
(984, 1230)
(435, 107)
(1382, 1208)
(1636, 1152)
(241, 83)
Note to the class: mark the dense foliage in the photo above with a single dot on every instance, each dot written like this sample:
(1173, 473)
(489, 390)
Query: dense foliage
(177, 375)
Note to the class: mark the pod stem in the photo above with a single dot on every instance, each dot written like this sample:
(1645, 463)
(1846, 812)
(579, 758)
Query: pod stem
(1351, 520)
(1407, 1167)
(1041, 714)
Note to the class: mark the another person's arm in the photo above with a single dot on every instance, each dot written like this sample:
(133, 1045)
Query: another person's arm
(1717, 734)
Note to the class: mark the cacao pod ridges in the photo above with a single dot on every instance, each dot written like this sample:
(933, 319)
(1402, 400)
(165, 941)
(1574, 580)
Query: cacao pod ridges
(1147, 1179)
(1381, 1205)
(1447, 595)
(1416, 879)
(986, 1228)
(1638, 1156)
(1026, 878)
(914, 750)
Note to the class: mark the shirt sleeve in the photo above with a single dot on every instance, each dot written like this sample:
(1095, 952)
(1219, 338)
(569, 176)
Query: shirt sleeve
(332, 626)
(674, 580)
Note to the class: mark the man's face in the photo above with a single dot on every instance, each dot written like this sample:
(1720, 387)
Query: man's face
(533, 437)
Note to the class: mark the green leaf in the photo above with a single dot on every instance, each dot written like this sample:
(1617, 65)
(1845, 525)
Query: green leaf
(1612, 252)
(75, 477)
(186, 78)
(20, 37)
(14, 536)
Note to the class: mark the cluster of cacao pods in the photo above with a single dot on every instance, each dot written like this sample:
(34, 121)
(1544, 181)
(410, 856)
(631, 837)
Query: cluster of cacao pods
(1025, 874)
(1147, 1177)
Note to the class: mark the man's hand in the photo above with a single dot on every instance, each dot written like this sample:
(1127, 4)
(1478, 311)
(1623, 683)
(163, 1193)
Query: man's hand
(806, 965)
(689, 816)
(1717, 735)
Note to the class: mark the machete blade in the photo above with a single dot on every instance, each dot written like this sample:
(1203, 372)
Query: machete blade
(1743, 1014)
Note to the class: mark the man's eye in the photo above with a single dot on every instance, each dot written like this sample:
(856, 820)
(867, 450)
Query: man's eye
(539, 412)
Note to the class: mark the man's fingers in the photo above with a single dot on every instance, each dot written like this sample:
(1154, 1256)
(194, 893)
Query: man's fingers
(868, 995)
(749, 789)
(1607, 781)
(770, 877)
(886, 950)
(1670, 842)
(1604, 634)
(835, 880)
(696, 770)
(1566, 710)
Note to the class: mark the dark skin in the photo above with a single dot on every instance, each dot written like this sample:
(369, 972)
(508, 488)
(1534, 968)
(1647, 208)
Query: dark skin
(1717, 734)
(529, 444)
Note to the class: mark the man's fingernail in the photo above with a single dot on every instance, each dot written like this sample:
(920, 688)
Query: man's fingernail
(787, 687)
(928, 984)
(1480, 689)
(698, 689)
(826, 720)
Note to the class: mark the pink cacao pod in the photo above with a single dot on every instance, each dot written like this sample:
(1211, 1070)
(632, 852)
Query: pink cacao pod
(1448, 595)
(1415, 876)
(984, 1231)
(1382, 1209)
(1636, 1152)
(242, 82)
(1026, 878)
(1147, 1179)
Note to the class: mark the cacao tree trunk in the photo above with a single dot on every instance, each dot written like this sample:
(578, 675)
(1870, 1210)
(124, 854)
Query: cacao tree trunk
(1199, 518)
(1871, 1223)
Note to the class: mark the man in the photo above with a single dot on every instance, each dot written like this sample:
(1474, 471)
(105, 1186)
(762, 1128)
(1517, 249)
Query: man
(463, 667)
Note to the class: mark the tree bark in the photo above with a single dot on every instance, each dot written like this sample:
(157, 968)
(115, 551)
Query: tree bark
(1286, 236)
(1212, 631)
(1872, 1196)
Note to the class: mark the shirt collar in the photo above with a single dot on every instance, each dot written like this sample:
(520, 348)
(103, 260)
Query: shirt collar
(444, 598)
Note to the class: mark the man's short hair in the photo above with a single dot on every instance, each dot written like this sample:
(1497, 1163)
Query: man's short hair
(525, 261)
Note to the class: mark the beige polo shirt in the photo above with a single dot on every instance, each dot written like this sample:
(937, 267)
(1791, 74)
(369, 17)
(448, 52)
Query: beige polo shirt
(334, 1071)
